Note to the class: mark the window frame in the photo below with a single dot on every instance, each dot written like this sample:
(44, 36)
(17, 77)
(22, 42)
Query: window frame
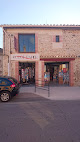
(19, 45)
(7, 82)
(57, 38)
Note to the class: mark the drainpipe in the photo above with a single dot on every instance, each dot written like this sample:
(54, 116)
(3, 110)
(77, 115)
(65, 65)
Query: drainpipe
(4, 49)
(4, 54)
(8, 67)
(9, 59)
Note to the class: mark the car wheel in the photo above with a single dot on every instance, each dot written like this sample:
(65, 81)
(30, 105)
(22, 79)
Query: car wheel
(5, 96)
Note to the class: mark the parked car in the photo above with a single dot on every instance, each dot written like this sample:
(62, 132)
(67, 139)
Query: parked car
(9, 87)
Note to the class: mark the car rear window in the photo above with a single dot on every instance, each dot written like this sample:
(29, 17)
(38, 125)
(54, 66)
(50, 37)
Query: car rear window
(4, 82)
(13, 80)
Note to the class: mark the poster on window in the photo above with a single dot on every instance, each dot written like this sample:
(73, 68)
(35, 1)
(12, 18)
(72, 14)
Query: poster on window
(64, 70)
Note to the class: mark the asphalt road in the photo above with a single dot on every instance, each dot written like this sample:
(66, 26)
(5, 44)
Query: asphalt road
(31, 118)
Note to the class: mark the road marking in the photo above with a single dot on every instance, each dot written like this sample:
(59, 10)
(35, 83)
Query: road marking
(45, 111)
(40, 116)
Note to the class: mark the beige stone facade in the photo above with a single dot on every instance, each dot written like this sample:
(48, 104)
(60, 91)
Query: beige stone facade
(1, 61)
(67, 49)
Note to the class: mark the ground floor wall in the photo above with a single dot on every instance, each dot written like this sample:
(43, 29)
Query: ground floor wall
(39, 73)
(12, 69)
(71, 73)
(1, 64)
(76, 72)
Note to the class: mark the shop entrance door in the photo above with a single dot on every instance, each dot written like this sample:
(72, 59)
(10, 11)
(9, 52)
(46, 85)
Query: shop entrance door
(27, 72)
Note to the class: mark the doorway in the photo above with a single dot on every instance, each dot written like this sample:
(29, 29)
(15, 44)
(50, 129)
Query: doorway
(26, 72)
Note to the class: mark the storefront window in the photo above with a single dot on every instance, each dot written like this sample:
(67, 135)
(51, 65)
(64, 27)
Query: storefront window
(27, 73)
(26, 43)
(57, 73)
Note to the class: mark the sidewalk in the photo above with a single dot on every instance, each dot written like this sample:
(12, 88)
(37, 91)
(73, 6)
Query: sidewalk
(56, 93)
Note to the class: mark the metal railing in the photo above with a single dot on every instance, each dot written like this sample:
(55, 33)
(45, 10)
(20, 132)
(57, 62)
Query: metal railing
(44, 85)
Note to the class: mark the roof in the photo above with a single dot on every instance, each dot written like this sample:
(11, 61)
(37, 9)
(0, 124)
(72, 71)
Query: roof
(41, 26)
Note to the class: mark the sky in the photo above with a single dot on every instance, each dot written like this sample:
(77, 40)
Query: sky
(38, 12)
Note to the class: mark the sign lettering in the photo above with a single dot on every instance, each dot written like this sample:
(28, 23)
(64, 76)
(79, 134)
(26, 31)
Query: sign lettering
(21, 57)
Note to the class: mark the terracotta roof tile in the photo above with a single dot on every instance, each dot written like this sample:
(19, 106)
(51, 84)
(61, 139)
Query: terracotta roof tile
(39, 26)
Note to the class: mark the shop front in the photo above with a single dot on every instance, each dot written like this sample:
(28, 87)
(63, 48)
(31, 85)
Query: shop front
(57, 73)
(30, 68)
(27, 72)
(26, 66)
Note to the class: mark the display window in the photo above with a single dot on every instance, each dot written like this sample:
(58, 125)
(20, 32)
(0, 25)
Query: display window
(57, 73)
(27, 73)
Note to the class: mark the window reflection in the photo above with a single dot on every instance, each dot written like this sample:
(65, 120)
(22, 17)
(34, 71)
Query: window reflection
(26, 43)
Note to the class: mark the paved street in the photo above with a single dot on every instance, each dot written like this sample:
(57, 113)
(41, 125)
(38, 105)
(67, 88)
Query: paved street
(29, 117)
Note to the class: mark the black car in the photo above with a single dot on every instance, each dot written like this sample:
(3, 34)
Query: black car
(9, 87)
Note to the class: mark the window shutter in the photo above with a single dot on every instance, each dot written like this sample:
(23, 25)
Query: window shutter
(16, 43)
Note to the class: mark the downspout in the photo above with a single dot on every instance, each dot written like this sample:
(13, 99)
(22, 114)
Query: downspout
(3, 42)
(4, 50)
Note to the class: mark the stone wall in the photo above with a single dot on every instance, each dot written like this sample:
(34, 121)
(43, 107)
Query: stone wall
(69, 46)
(71, 42)
(5, 65)
(76, 69)
(1, 64)
(47, 47)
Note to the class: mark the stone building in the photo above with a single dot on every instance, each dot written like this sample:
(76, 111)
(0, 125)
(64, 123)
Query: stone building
(42, 52)
(1, 61)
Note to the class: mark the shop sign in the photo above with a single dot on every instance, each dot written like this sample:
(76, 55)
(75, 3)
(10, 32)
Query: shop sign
(24, 57)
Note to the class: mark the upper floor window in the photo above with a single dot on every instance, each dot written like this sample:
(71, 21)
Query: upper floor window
(26, 43)
(57, 38)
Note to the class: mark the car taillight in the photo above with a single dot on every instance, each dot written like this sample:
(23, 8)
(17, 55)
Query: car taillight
(13, 85)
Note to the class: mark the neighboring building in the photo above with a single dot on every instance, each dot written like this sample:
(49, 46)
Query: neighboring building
(38, 52)
(1, 61)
